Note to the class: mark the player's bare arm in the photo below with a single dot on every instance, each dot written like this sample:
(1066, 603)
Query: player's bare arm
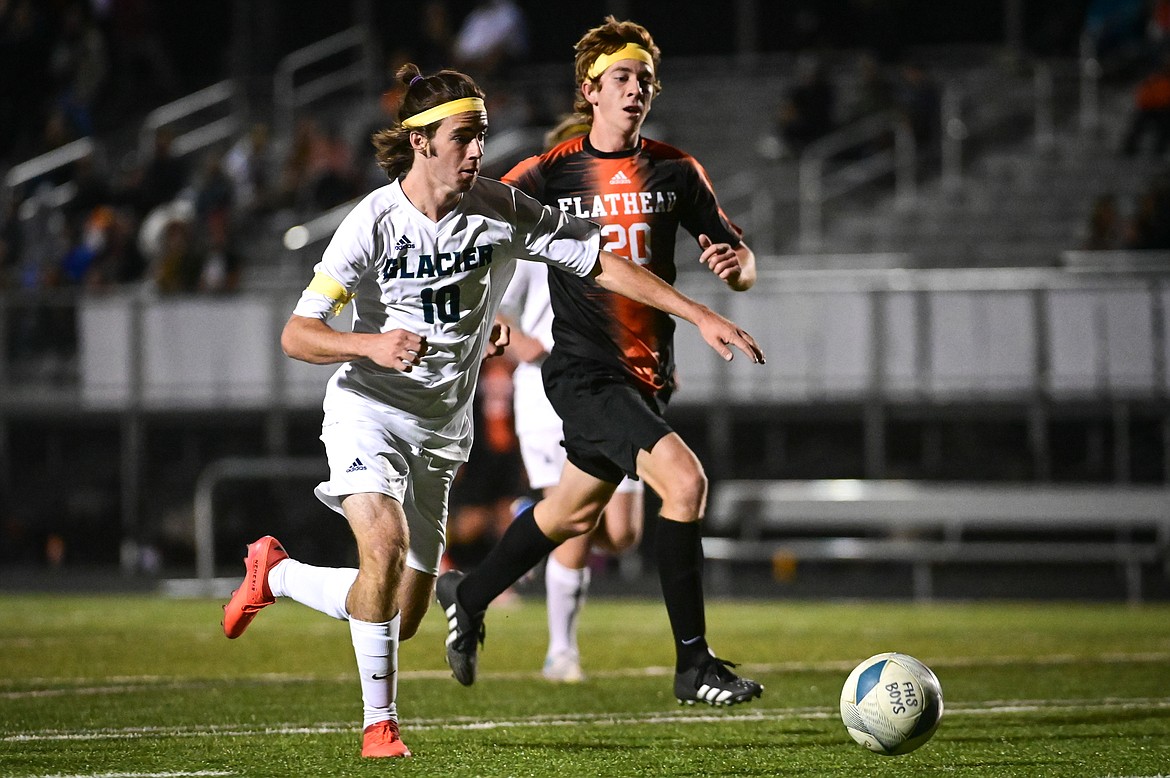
(521, 345)
(312, 340)
(618, 274)
(736, 266)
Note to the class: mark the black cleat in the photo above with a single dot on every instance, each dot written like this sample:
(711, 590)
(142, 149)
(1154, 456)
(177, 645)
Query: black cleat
(465, 633)
(713, 682)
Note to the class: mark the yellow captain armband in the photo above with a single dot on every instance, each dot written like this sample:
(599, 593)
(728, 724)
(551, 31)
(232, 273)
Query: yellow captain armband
(324, 285)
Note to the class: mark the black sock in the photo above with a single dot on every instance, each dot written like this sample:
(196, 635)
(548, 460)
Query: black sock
(679, 549)
(520, 549)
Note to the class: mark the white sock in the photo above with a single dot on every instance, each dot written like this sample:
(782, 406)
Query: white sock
(376, 647)
(321, 588)
(565, 590)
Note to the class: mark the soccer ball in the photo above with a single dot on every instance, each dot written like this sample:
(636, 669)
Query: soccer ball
(891, 703)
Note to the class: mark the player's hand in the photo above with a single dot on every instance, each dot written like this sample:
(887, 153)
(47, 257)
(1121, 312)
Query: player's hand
(720, 259)
(498, 341)
(721, 333)
(398, 350)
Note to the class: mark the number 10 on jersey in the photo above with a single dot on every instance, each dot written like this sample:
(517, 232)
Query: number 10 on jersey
(442, 302)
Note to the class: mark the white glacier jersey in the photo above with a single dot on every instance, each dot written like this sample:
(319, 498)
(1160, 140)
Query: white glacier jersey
(527, 301)
(443, 280)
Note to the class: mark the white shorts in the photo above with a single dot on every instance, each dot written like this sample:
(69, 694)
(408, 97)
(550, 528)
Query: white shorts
(365, 458)
(544, 458)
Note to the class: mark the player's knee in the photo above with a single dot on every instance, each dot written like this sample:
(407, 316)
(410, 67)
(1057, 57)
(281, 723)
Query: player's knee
(384, 557)
(580, 523)
(686, 498)
(623, 538)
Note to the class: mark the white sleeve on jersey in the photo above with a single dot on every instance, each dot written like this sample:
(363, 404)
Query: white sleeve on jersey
(555, 237)
(348, 255)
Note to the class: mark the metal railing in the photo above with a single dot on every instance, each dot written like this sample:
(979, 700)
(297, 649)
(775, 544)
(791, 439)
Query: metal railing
(237, 469)
(49, 162)
(289, 95)
(820, 182)
(221, 97)
(752, 206)
(960, 123)
(1090, 84)
(881, 335)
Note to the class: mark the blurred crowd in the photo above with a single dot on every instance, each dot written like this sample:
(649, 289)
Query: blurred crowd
(193, 221)
(1143, 225)
(182, 221)
(814, 105)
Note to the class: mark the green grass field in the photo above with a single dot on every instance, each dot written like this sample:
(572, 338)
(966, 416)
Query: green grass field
(141, 686)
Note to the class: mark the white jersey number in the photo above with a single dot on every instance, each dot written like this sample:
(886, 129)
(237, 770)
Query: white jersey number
(632, 241)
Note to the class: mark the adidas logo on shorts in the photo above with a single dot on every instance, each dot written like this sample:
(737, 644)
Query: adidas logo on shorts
(403, 244)
(357, 465)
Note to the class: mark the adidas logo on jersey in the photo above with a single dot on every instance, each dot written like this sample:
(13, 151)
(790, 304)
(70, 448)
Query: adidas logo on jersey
(357, 465)
(619, 178)
(403, 244)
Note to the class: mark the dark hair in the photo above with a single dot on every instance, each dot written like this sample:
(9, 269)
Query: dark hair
(392, 145)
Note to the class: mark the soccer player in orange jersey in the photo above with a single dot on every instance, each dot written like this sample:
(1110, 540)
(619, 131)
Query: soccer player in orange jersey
(610, 372)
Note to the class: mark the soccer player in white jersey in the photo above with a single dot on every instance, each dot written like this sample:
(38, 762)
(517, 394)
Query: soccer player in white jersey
(528, 310)
(425, 260)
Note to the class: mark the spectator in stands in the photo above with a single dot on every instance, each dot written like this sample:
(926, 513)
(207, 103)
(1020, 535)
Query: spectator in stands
(86, 242)
(80, 66)
(179, 268)
(1151, 112)
(875, 93)
(808, 110)
(215, 224)
(214, 191)
(10, 242)
(434, 42)
(92, 188)
(1150, 228)
(163, 176)
(222, 261)
(1106, 229)
(310, 155)
(248, 165)
(493, 36)
(333, 178)
(1158, 26)
(919, 100)
(119, 261)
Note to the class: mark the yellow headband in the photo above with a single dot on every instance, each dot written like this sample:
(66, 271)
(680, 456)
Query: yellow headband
(432, 115)
(629, 51)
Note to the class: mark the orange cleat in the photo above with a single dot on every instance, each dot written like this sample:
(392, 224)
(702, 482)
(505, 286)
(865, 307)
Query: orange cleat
(382, 740)
(253, 593)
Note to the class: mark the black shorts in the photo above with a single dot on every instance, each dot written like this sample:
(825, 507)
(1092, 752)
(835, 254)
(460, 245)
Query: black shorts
(607, 421)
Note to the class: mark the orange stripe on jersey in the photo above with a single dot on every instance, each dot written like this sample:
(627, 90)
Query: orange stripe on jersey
(619, 183)
(640, 198)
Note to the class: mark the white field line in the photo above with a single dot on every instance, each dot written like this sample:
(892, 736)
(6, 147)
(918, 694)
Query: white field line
(576, 720)
(142, 775)
(120, 684)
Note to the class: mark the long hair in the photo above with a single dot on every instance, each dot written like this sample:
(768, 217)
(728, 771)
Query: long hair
(392, 148)
(607, 38)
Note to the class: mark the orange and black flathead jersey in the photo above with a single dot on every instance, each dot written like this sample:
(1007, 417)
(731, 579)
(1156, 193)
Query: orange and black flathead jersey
(640, 197)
